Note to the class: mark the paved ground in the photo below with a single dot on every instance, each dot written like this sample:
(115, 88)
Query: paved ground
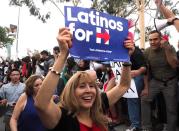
(1, 124)
(118, 128)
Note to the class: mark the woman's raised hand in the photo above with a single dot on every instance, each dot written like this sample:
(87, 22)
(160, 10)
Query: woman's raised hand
(64, 39)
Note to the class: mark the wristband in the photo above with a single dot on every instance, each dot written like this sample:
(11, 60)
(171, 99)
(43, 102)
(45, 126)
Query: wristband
(54, 71)
(127, 64)
(172, 22)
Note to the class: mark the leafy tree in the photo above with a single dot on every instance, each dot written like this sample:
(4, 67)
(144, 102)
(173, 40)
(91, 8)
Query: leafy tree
(33, 9)
(122, 8)
(115, 7)
(4, 38)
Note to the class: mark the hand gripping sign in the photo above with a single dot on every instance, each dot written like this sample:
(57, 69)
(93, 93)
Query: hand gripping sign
(96, 35)
(132, 91)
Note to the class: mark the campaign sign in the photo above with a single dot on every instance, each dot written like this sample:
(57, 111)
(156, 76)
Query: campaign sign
(96, 35)
(132, 91)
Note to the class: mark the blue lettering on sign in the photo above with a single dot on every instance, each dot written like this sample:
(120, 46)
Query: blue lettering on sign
(96, 35)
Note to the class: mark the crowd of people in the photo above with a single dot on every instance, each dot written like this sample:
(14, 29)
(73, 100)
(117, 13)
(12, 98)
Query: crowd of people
(58, 92)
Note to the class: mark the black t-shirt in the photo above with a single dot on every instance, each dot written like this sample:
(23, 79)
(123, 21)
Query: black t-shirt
(178, 54)
(137, 59)
(178, 66)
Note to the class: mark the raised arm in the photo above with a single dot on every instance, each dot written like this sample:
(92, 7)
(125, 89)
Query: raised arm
(170, 55)
(175, 22)
(164, 10)
(48, 111)
(168, 14)
(118, 91)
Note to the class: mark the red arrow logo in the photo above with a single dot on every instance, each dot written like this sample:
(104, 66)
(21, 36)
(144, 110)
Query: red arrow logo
(104, 36)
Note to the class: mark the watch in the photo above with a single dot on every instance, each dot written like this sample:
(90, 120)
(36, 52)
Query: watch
(127, 63)
(172, 22)
(54, 71)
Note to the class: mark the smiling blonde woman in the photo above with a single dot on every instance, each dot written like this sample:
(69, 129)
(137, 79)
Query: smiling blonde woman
(81, 107)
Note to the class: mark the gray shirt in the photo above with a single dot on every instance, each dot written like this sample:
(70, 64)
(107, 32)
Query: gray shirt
(11, 92)
(158, 64)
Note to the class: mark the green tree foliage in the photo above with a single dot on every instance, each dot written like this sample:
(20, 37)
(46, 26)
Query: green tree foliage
(122, 8)
(115, 7)
(33, 9)
(4, 38)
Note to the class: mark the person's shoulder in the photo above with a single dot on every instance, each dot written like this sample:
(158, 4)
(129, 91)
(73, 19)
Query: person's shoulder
(137, 50)
(22, 101)
(51, 60)
(178, 53)
(66, 112)
(147, 50)
(22, 84)
(23, 96)
(6, 85)
(2, 87)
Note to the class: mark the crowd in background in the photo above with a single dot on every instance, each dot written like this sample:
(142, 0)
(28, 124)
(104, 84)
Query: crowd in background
(155, 71)
(120, 113)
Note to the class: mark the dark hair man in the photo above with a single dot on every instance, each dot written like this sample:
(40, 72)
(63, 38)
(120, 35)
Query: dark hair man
(161, 77)
(10, 93)
(48, 61)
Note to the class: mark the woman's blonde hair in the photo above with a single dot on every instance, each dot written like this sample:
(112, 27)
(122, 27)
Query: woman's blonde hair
(69, 101)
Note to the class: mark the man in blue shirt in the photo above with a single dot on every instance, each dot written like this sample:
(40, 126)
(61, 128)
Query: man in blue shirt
(9, 94)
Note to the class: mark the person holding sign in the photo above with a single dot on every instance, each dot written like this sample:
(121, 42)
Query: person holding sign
(168, 14)
(81, 104)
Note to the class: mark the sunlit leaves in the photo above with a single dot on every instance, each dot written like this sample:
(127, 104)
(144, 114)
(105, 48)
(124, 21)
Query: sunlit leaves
(4, 38)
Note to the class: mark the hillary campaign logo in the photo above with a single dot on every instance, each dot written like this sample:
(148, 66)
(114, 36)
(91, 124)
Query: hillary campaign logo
(96, 35)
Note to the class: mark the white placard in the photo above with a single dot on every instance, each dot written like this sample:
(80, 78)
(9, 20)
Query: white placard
(116, 68)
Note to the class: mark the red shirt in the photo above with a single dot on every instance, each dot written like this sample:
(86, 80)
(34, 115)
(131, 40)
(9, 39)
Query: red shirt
(86, 128)
(106, 83)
